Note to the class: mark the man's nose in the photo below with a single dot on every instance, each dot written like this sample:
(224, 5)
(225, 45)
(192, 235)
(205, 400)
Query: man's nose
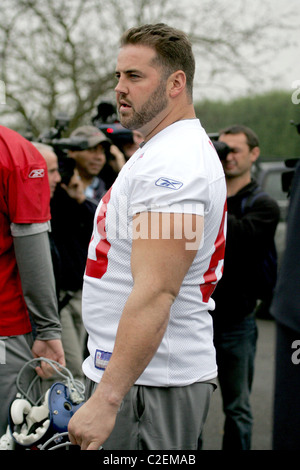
(121, 87)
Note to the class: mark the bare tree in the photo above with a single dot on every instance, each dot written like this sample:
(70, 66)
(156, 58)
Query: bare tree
(59, 55)
(239, 40)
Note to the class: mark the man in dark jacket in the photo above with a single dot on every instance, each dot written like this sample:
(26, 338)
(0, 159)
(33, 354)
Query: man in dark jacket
(285, 309)
(250, 232)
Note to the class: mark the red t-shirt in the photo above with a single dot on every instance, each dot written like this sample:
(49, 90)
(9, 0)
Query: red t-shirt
(24, 199)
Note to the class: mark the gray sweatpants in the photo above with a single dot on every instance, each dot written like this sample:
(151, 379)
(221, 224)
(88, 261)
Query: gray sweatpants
(17, 351)
(158, 418)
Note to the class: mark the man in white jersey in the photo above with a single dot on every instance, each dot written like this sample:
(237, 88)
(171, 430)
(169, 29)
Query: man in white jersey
(155, 257)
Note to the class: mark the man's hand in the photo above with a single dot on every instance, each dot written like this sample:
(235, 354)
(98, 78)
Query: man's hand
(50, 349)
(93, 422)
(119, 158)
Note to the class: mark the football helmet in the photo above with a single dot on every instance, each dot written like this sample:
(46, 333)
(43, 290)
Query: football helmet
(34, 423)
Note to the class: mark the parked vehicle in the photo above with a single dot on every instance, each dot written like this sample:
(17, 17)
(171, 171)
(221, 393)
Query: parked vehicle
(269, 176)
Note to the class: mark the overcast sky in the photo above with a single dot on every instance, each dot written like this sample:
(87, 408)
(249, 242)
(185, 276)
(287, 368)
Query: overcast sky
(284, 69)
(287, 62)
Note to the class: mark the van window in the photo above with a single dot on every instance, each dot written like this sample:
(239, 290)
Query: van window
(273, 186)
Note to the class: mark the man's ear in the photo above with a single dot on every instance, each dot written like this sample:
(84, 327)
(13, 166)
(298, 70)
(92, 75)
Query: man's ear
(176, 83)
(255, 152)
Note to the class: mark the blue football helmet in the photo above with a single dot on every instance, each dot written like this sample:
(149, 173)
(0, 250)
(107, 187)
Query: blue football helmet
(34, 423)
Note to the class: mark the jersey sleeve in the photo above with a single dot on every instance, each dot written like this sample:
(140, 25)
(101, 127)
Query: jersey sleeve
(28, 190)
(170, 188)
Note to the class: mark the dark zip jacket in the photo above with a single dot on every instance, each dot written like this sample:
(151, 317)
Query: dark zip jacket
(249, 232)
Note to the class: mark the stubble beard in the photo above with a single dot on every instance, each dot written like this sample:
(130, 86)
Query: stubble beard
(156, 103)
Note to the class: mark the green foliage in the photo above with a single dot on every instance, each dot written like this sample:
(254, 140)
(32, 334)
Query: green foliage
(269, 115)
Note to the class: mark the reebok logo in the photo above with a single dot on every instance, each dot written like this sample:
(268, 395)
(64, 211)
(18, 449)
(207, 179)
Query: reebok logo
(39, 173)
(169, 183)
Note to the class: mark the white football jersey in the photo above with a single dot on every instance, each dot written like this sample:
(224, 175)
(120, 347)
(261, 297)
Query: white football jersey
(178, 170)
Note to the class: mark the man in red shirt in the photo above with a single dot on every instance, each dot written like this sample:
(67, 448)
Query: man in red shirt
(27, 287)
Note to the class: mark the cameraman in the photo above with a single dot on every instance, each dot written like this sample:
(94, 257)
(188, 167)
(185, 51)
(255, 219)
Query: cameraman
(250, 232)
(94, 160)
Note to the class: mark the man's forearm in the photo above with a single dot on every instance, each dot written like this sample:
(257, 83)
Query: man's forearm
(35, 266)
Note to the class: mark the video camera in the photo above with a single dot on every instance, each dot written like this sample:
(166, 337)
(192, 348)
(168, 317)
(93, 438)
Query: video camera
(222, 148)
(106, 120)
(61, 145)
(53, 136)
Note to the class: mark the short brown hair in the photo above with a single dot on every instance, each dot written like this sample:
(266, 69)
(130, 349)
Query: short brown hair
(172, 46)
(252, 139)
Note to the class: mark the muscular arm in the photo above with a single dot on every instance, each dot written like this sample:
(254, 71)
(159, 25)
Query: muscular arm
(158, 268)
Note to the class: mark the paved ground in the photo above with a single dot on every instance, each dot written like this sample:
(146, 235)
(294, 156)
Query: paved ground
(262, 396)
